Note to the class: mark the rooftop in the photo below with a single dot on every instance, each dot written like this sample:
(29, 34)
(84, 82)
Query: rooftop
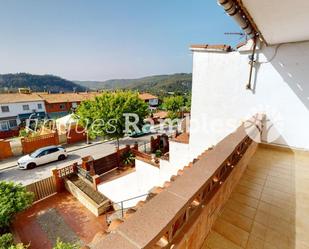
(53, 98)
(278, 22)
(7, 98)
(209, 47)
(147, 96)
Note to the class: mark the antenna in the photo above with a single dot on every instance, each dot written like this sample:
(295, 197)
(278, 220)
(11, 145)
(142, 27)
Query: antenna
(240, 34)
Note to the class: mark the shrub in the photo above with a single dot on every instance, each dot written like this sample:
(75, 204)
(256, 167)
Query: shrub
(23, 133)
(14, 198)
(6, 242)
(62, 245)
(128, 158)
(158, 153)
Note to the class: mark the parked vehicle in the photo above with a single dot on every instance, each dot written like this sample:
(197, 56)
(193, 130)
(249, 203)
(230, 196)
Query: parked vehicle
(146, 129)
(42, 156)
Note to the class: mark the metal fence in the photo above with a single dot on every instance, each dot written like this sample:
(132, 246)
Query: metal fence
(84, 173)
(120, 208)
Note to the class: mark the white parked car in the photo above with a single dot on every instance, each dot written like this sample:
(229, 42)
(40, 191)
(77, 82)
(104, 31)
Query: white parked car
(42, 156)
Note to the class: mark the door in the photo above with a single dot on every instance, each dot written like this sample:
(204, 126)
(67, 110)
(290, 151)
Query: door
(42, 158)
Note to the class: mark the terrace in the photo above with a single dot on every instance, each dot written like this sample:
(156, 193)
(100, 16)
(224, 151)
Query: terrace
(238, 195)
(268, 206)
(238, 189)
(60, 215)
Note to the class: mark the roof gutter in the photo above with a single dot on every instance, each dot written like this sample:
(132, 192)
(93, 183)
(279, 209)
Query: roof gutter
(236, 12)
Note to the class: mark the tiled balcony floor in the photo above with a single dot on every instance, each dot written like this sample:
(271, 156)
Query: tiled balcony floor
(269, 208)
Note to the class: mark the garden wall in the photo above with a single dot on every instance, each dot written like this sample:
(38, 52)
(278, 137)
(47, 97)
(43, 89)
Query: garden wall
(76, 135)
(31, 144)
(5, 149)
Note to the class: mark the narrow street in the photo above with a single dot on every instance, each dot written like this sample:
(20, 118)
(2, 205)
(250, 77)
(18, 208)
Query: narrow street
(96, 151)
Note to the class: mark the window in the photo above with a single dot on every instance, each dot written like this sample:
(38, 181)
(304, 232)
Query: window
(62, 106)
(40, 106)
(50, 151)
(13, 123)
(5, 108)
(43, 153)
(4, 126)
(26, 107)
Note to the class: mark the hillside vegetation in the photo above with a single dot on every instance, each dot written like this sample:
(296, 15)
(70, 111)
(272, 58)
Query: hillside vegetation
(157, 84)
(37, 83)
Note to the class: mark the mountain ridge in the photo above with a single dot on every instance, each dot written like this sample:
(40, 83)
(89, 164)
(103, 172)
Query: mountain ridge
(179, 82)
(37, 83)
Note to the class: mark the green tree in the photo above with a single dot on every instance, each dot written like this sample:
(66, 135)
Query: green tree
(173, 105)
(13, 199)
(7, 242)
(62, 245)
(188, 102)
(104, 116)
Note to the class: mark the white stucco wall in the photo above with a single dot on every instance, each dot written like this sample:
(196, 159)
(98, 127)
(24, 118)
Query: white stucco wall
(140, 182)
(17, 108)
(180, 155)
(220, 99)
(153, 102)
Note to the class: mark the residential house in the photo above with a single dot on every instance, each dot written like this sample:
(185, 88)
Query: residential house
(16, 108)
(151, 100)
(238, 182)
(61, 104)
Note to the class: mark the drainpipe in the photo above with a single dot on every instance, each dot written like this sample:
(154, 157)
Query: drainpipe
(233, 10)
(251, 63)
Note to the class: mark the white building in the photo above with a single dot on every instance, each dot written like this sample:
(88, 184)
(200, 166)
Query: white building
(16, 107)
(279, 87)
(222, 99)
(151, 100)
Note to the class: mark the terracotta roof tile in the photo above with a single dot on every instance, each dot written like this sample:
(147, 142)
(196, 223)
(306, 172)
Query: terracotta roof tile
(147, 96)
(182, 138)
(6, 98)
(67, 97)
(160, 114)
(217, 47)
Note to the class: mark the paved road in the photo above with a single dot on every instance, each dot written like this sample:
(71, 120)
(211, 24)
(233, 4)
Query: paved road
(96, 151)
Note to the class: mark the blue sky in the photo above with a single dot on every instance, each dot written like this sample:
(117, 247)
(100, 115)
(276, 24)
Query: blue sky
(99, 39)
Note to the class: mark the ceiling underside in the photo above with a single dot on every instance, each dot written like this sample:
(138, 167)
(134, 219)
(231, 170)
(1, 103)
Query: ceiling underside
(280, 21)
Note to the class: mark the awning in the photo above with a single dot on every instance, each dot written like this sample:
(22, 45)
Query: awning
(35, 115)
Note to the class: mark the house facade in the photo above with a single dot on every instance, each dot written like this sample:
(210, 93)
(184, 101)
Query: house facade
(16, 108)
(151, 100)
(61, 104)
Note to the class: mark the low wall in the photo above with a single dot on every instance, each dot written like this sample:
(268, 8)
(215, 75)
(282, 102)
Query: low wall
(74, 135)
(9, 134)
(196, 230)
(5, 149)
(31, 144)
(86, 200)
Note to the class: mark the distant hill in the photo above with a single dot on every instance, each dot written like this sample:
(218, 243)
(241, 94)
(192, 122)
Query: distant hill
(38, 83)
(157, 84)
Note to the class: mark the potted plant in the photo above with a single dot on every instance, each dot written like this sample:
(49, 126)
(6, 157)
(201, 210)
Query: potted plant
(128, 159)
(158, 153)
